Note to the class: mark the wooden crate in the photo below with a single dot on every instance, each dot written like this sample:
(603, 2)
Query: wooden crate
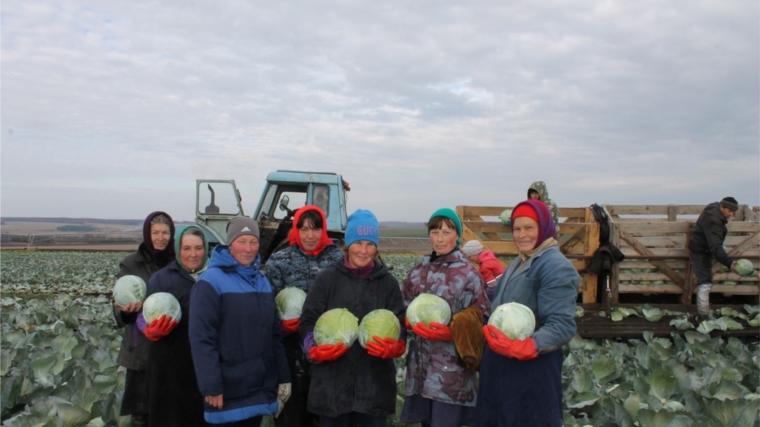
(655, 238)
(578, 238)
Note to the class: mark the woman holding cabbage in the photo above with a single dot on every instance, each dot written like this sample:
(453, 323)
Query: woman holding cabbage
(542, 279)
(155, 252)
(441, 379)
(173, 395)
(351, 385)
(310, 252)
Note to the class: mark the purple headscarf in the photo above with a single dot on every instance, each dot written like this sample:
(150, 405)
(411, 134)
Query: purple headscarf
(545, 222)
(163, 257)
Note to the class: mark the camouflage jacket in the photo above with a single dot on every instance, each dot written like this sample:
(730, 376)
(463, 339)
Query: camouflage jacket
(432, 370)
(540, 186)
(292, 267)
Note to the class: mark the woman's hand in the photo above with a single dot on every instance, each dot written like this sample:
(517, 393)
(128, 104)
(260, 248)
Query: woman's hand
(434, 332)
(132, 307)
(215, 401)
(499, 343)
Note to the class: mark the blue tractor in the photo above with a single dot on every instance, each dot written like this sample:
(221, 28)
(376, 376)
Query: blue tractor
(218, 201)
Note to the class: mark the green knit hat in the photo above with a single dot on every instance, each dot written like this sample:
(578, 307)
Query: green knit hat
(450, 214)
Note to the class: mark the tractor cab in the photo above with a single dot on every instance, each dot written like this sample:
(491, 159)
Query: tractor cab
(218, 201)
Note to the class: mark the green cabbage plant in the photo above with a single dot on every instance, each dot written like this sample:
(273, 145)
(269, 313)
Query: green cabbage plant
(336, 325)
(428, 308)
(514, 319)
(159, 304)
(129, 289)
(381, 323)
(290, 303)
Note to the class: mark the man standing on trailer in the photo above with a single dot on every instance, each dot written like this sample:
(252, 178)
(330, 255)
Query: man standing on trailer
(706, 243)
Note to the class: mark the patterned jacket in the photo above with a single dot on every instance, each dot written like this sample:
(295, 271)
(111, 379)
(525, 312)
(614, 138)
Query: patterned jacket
(540, 186)
(432, 368)
(292, 267)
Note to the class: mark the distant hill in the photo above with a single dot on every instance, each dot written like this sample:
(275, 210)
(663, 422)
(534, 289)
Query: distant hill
(401, 224)
(130, 222)
(137, 222)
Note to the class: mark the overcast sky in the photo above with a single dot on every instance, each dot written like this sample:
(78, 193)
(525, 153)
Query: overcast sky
(112, 109)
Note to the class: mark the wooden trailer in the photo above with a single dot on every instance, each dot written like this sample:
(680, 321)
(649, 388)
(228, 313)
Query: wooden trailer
(656, 271)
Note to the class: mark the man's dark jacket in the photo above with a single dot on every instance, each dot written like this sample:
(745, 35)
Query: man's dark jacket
(708, 235)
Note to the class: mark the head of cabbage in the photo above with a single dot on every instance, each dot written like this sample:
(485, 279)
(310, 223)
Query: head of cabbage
(129, 289)
(159, 304)
(381, 323)
(506, 217)
(514, 319)
(336, 325)
(744, 268)
(289, 303)
(427, 308)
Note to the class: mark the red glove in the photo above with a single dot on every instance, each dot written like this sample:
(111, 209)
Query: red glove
(160, 328)
(501, 344)
(327, 352)
(387, 348)
(434, 332)
(407, 325)
(291, 326)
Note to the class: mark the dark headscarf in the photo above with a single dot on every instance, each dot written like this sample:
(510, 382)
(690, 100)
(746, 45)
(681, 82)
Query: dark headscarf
(163, 257)
(546, 227)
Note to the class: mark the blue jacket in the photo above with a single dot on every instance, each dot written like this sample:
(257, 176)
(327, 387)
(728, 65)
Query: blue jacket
(547, 283)
(235, 339)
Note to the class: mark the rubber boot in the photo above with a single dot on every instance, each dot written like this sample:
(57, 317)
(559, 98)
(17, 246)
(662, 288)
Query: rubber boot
(703, 299)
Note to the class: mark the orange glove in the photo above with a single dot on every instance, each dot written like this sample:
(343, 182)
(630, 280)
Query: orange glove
(291, 326)
(521, 350)
(387, 348)
(327, 352)
(434, 332)
(160, 328)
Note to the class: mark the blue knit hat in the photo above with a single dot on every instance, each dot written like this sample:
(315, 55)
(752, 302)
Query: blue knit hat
(362, 225)
(450, 214)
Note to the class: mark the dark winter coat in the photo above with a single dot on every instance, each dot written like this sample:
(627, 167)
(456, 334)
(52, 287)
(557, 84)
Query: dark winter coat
(173, 396)
(708, 234)
(235, 339)
(355, 382)
(134, 346)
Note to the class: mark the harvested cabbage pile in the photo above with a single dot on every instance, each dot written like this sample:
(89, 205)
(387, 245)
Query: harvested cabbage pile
(514, 319)
(129, 289)
(381, 323)
(428, 308)
(159, 304)
(336, 325)
(289, 303)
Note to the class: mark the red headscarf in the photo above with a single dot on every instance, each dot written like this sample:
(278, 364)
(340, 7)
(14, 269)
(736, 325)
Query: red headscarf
(295, 237)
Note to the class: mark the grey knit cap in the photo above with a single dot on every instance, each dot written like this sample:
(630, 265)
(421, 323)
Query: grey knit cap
(472, 247)
(241, 226)
(730, 203)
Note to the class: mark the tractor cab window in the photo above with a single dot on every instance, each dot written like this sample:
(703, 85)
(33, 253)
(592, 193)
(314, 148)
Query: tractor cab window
(297, 199)
(217, 198)
(321, 198)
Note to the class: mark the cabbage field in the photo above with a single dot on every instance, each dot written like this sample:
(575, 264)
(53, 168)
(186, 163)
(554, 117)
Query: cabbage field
(59, 346)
